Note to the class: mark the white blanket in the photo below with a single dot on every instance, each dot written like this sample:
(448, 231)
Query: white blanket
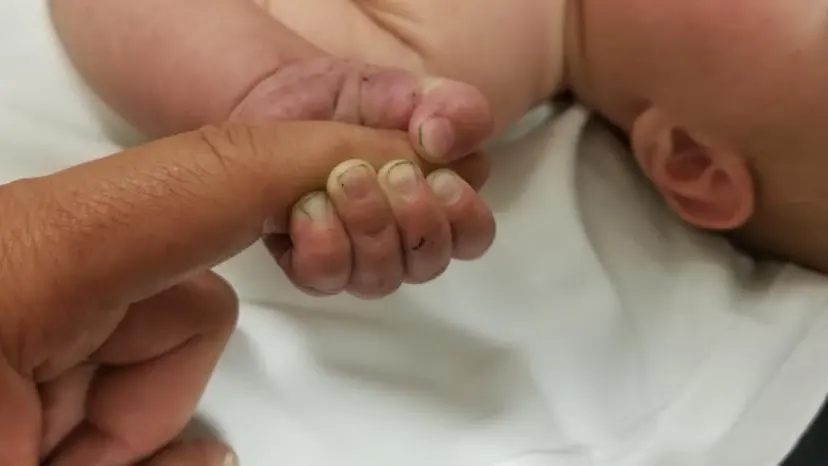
(598, 331)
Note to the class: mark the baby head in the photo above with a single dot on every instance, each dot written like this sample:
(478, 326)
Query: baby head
(726, 105)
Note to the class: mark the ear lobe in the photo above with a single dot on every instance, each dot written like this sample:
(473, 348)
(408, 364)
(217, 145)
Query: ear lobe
(708, 187)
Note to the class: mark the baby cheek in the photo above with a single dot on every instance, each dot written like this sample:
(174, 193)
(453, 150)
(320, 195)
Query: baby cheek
(754, 48)
(761, 30)
(710, 23)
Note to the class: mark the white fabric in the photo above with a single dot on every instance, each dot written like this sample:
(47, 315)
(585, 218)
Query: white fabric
(598, 331)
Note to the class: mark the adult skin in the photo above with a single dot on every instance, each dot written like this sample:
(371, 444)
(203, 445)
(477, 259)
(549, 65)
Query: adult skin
(110, 319)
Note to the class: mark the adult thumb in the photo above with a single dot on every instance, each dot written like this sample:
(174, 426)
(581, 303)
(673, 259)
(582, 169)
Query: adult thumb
(124, 227)
(195, 453)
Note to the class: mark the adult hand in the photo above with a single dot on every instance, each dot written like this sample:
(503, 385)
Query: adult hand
(110, 321)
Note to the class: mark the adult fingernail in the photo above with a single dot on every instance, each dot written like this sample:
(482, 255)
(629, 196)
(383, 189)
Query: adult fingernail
(316, 207)
(403, 177)
(436, 137)
(446, 185)
(353, 179)
(230, 459)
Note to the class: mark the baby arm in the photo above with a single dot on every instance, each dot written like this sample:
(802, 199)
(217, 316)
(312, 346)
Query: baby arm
(174, 66)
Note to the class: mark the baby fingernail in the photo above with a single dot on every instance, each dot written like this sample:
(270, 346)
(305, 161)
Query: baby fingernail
(446, 185)
(354, 179)
(403, 177)
(316, 207)
(436, 137)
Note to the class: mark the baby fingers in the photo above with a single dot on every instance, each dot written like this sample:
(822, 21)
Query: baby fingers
(371, 231)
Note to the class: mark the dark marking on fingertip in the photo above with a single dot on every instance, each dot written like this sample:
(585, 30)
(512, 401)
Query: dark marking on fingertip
(420, 243)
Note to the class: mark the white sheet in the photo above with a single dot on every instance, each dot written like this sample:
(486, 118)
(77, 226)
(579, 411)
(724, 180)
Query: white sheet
(598, 331)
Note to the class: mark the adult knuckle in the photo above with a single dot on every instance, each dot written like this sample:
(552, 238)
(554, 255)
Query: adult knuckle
(240, 152)
(224, 146)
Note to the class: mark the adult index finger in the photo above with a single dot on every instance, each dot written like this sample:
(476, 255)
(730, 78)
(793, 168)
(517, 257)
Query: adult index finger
(125, 227)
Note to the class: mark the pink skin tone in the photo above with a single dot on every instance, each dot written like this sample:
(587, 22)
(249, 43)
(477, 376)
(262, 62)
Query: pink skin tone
(726, 104)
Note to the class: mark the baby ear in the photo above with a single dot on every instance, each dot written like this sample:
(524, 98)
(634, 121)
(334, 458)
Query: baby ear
(708, 187)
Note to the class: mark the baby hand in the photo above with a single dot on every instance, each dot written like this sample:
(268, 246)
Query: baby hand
(372, 231)
(169, 67)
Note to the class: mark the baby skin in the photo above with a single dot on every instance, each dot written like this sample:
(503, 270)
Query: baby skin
(722, 103)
